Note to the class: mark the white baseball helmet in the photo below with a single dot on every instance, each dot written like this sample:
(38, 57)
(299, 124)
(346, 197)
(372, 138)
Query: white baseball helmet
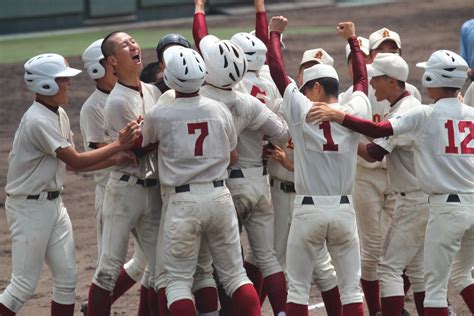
(225, 61)
(185, 69)
(254, 49)
(41, 70)
(444, 68)
(91, 58)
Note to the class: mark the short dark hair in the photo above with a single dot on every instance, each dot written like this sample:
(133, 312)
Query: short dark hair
(401, 84)
(330, 86)
(450, 89)
(149, 72)
(108, 45)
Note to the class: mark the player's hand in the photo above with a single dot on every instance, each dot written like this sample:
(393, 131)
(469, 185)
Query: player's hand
(280, 155)
(321, 112)
(267, 150)
(199, 5)
(346, 29)
(124, 158)
(460, 97)
(129, 134)
(278, 24)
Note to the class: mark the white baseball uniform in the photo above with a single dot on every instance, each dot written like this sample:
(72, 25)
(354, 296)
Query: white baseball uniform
(132, 202)
(92, 130)
(323, 212)
(374, 201)
(248, 181)
(442, 134)
(39, 224)
(403, 247)
(196, 135)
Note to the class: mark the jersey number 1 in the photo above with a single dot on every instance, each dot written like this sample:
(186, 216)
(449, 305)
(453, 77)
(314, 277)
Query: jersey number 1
(330, 145)
(192, 127)
(463, 126)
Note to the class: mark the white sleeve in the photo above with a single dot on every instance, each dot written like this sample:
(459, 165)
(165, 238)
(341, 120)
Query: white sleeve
(257, 113)
(275, 130)
(358, 105)
(92, 125)
(295, 105)
(412, 122)
(387, 143)
(149, 130)
(46, 136)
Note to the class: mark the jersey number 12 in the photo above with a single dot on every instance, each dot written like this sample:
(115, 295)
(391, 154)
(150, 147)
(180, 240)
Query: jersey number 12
(463, 126)
(192, 127)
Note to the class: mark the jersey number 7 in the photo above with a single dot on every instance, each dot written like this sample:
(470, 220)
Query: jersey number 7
(192, 127)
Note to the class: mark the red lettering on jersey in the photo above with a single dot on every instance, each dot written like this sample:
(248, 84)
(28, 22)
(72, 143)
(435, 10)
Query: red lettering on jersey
(376, 118)
(290, 144)
(192, 127)
(463, 127)
(256, 92)
(329, 146)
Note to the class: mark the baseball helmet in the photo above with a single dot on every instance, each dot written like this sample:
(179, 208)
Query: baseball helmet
(185, 69)
(41, 70)
(444, 68)
(254, 49)
(225, 61)
(91, 58)
(170, 39)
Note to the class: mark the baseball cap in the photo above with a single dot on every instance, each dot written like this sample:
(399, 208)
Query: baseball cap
(364, 46)
(382, 35)
(391, 65)
(317, 54)
(319, 71)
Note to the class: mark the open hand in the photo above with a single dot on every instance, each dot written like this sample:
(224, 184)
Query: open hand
(124, 158)
(129, 134)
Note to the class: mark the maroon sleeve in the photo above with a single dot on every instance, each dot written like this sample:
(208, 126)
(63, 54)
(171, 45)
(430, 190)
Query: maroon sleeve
(359, 69)
(376, 152)
(199, 28)
(261, 26)
(367, 127)
(276, 63)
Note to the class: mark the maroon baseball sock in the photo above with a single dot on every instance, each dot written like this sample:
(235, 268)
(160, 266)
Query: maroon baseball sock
(419, 298)
(206, 300)
(372, 295)
(99, 301)
(275, 287)
(4, 311)
(436, 311)
(183, 307)
(254, 274)
(143, 309)
(153, 302)
(293, 309)
(123, 284)
(61, 309)
(392, 305)
(468, 295)
(163, 302)
(354, 309)
(246, 301)
(332, 302)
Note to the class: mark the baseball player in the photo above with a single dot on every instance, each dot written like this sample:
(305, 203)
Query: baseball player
(404, 242)
(38, 220)
(196, 136)
(374, 201)
(94, 136)
(323, 215)
(132, 201)
(441, 134)
(248, 181)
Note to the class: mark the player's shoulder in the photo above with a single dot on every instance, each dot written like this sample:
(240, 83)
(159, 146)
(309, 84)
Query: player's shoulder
(95, 101)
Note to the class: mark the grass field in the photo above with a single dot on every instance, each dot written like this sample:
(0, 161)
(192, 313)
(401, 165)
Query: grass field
(20, 49)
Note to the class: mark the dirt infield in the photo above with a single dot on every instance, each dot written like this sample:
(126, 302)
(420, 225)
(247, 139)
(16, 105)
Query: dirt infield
(424, 26)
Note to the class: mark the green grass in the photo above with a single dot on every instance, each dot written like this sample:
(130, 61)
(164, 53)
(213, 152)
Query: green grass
(21, 49)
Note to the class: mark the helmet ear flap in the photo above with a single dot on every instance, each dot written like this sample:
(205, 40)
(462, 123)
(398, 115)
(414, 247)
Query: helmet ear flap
(46, 87)
(96, 70)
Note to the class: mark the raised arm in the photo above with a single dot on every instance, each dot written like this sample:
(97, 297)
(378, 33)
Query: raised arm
(199, 22)
(261, 23)
(361, 82)
(275, 56)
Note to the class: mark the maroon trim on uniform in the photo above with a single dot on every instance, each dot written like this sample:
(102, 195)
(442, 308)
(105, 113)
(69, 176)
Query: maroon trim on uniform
(376, 152)
(199, 28)
(104, 91)
(404, 94)
(138, 89)
(261, 28)
(361, 81)
(367, 127)
(49, 107)
(276, 63)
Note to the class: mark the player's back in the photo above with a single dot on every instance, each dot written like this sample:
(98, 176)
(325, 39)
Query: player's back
(444, 153)
(196, 135)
